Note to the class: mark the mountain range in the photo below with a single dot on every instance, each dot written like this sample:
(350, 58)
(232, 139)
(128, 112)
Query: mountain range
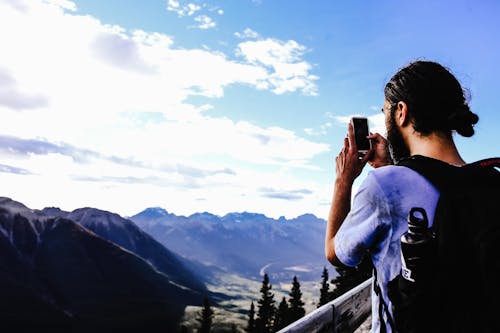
(87, 270)
(245, 243)
(129, 236)
(90, 269)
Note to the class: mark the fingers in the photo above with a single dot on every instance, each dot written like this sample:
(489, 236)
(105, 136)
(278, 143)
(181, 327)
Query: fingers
(367, 156)
(339, 161)
(376, 137)
(350, 137)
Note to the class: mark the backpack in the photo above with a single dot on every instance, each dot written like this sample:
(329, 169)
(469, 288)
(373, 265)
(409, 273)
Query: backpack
(460, 286)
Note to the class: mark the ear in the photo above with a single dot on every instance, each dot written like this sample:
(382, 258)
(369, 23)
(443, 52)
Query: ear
(402, 117)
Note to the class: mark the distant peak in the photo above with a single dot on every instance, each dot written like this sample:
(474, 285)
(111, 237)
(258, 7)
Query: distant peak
(92, 210)
(157, 210)
(52, 208)
(307, 215)
(204, 214)
(154, 212)
(244, 214)
(308, 218)
(53, 212)
(244, 217)
(12, 203)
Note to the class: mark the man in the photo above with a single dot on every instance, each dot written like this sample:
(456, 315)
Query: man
(424, 104)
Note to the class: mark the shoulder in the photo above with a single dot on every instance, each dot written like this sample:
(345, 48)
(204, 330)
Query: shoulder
(383, 180)
(392, 176)
(389, 172)
(394, 186)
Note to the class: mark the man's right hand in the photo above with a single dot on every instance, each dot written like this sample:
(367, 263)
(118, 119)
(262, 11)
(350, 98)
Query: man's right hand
(381, 155)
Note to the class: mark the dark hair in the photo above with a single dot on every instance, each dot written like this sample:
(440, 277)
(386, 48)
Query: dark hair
(435, 99)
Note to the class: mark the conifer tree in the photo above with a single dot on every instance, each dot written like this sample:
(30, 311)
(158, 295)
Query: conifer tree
(282, 318)
(205, 317)
(265, 314)
(342, 281)
(251, 319)
(325, 286)
(350, 277)
(297, 310)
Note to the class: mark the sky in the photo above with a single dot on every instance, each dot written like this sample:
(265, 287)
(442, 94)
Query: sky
(218, 106)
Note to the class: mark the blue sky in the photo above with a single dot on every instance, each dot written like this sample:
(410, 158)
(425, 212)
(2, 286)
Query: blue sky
(216, 106)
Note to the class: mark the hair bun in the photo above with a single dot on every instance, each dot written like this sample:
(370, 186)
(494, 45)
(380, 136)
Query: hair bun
(462, 120)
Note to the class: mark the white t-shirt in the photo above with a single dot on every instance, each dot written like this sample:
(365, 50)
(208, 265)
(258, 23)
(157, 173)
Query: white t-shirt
(378, 219)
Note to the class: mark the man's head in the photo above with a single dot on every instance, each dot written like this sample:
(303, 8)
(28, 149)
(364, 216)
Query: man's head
(425, 99)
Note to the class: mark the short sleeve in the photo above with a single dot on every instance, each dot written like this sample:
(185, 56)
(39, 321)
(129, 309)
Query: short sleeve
(367, 222)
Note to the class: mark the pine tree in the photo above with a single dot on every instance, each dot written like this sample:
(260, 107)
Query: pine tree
(265, 314)
(251, 319)
(205, 318)
(282, 318)
(350, 277)
(325, 286)
(297, 310)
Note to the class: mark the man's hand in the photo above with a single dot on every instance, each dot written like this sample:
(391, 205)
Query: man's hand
(348, 163)
(349, 166)
(381, 155)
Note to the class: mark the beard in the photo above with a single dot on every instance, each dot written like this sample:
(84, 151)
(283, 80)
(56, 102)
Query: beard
(397, 146)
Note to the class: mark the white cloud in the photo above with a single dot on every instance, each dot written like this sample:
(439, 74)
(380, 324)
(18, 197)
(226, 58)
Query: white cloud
(323, 130)
(186, 9)
(247, 33)
(204, 22)
(12, 97)
(192, 8)
(271, 52)
(65, 4)
(123, 93)
(289, 72)
(173, 5)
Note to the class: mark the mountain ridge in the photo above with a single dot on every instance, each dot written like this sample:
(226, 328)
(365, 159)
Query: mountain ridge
(55, 273)
(245, 214)
(243, 242)
(125, 233)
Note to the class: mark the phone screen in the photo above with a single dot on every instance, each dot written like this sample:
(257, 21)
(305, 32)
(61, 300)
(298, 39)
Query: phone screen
(360, 133)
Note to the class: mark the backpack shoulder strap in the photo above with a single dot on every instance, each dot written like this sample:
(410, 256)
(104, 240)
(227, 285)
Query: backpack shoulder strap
(444, 176)
(493, 162)
(382, 306)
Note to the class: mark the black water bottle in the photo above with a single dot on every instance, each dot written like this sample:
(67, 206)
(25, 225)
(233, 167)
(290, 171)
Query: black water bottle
(416, 247)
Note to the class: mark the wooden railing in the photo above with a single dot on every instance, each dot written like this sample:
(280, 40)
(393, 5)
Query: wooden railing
(344, 314)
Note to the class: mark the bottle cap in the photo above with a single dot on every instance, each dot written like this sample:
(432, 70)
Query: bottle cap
(417, 220)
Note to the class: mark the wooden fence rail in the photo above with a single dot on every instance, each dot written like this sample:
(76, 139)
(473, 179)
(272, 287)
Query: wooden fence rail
(344, 314)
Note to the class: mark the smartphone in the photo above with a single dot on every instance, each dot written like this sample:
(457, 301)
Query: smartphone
(361, 131)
